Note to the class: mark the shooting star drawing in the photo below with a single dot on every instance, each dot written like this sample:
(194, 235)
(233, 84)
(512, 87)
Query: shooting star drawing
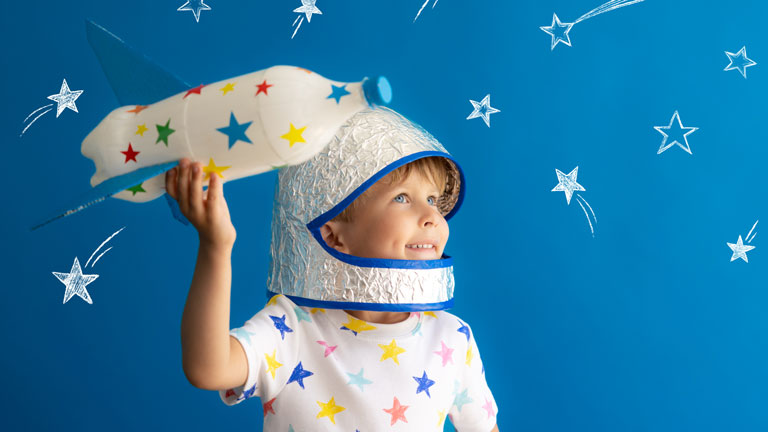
(75, 281)
(422, 8)
(559, 30)
(739, 61)
(567, 183)
(739, 248)
(307, 8)
(675, 135)
(64, 99)
(194, 6)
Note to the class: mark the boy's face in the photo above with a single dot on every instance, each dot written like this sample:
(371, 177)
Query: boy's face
(392, 220)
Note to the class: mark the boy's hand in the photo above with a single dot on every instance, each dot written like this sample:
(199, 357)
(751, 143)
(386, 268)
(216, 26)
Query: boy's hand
(207, 211)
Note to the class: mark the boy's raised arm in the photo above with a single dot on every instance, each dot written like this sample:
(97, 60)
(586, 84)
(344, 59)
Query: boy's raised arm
(211, 358)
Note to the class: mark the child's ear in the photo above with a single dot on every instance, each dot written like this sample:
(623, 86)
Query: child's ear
(330, 234)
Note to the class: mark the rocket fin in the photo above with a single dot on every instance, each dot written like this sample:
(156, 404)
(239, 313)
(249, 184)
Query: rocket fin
(134, 77)
(175, 210)
(108, 188)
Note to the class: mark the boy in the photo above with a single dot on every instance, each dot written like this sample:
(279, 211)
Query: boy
(376, 368)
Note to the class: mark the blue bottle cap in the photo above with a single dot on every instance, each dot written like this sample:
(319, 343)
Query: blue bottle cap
(377, 91)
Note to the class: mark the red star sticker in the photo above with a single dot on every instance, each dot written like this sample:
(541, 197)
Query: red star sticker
(194, 90)
(130, 154)
(263, 88)
(397, 411)
(138, 109)
(268, 407)
(305, 70)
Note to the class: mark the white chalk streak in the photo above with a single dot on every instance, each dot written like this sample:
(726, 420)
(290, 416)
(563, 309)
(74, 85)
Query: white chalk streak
(102, 244)
(294, 21)
(30, 114)
(587, 215)
(297, 27)
(97, 258)
(590, 207)
(34, 119)
(750, 231)
(422, 8)
(607, 7)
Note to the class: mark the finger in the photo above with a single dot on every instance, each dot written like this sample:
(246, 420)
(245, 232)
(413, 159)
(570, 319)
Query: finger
(183, 186)
(170, 182)
(196, 189)
(214, 188)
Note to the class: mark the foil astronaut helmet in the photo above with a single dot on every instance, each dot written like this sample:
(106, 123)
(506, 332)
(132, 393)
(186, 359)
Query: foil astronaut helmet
(368, 146)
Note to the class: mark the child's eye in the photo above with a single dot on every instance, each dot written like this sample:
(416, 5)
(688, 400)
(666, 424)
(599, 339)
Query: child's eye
(400, 198)
(432, 200)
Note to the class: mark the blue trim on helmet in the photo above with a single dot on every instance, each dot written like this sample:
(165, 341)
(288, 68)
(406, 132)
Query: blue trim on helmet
(377, 307)
(315, 224)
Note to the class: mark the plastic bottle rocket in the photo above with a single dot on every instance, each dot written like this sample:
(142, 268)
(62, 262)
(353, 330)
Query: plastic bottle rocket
(237, 127)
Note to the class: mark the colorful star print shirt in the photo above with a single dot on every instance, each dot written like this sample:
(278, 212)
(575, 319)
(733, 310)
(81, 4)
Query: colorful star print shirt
(323, 369)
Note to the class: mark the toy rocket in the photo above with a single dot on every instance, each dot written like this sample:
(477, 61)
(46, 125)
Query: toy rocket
(237, 127)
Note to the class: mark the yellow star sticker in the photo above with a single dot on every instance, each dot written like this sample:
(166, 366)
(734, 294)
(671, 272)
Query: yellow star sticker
(140, 129)
(440, 418)
(469, 356)
(357, 325)
(391, 351)
(272, 363)
(273, 300)
(329, 410)
(294, 135)
(212, 168)
(227, 88)
(316, 310)
(430, 313)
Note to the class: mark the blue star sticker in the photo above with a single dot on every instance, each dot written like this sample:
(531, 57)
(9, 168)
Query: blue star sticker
(739, 61)
(195, 6)
(235, 131)
(558, 31)
(674, 135)
(424, 384)
(301, 314)
(358, 379)
(337, 92)
(298, 375)
(280, 325)
(464, 329)
(462, 399)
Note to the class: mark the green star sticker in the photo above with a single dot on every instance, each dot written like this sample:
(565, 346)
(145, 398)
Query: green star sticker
(136, 188)
(163, 132)
(278, 167)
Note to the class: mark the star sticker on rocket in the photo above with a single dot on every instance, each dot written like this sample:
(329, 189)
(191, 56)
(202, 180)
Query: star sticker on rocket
(65, 98)
(130, 154)
(195, 90)
(163, 132)
(675, 133)
(739, 61)
(75, 282)
(194, 6)
(739, 248)
(212, 168)
(227, 88)
(567, 183)
(483, 109)
(263, 87)
(138, 109)
(294, 135)
(235, 131)
(136, 189)
(337, 92)
(140, 129)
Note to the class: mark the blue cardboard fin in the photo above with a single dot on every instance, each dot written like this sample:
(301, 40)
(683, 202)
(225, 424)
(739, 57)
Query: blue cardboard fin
(108, 188)
(175, 210)
(134, 77)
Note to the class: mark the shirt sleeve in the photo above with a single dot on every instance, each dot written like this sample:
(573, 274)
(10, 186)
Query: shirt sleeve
(270, 340)
(474, 408)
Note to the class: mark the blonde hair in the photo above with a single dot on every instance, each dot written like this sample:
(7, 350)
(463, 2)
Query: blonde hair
(433, 168)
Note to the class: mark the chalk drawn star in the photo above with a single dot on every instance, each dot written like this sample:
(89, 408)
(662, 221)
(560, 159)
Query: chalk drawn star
(298, 375)
(75, 281)
(424, 384)
(308, 8)
(740, 250)
(739, 61)
(483, 109)
(65, 98)
(280, 325)
(358, 379)
(559, 31)
(445, 353)
(675, 135)
(567, 183)
(195, 6)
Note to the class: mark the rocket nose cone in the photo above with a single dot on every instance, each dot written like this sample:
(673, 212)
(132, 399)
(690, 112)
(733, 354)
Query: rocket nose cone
(377, 90)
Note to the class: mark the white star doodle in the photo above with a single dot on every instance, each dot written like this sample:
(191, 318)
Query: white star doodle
(483, 109)
(308, 8)
(558, 31)
(740, 250)
(194, 6)
(75, 281)
(672, 136)
(65, 98)
(567, 183)
(739, 61)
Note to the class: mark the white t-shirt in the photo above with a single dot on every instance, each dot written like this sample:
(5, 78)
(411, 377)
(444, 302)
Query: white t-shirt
(323, 369)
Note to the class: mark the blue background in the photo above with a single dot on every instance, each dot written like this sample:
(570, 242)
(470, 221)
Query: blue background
(648, 326)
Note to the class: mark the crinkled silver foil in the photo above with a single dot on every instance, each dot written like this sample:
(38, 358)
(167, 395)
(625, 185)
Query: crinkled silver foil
(364, 145)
